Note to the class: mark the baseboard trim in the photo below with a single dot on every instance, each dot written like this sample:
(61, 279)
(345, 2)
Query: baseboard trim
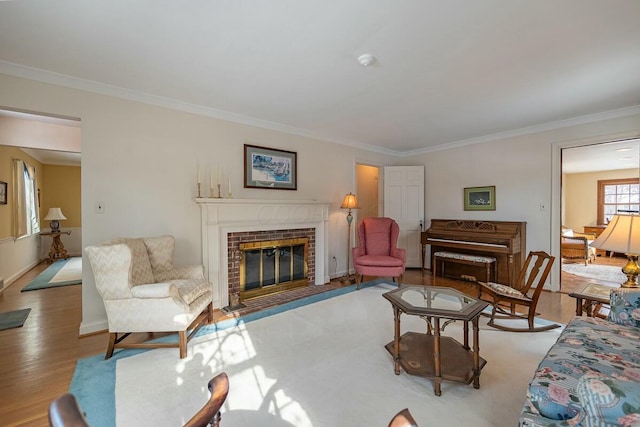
(9, 281)
(93, 328)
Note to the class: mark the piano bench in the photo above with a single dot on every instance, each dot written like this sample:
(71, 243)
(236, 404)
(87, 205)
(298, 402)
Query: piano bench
(477, 260)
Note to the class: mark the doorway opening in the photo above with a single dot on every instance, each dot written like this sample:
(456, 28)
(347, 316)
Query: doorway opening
(583, 214)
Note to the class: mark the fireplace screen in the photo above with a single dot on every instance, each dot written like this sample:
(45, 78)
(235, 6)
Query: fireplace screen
(272, 266)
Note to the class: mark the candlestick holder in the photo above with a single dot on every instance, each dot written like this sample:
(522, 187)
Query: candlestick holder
(219, 192)
(229, 195)
(198, 190)
(212, 192)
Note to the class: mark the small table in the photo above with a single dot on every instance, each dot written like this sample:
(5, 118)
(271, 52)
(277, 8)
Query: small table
(590, 298)
(57, 250)
(431, 355)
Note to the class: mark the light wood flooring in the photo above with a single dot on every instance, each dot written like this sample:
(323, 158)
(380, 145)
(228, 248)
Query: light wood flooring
(37, 361)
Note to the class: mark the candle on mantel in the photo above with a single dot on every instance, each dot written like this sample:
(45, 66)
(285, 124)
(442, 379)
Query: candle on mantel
(229, 183)
(211, 182)
(219, 175)
(198, 172)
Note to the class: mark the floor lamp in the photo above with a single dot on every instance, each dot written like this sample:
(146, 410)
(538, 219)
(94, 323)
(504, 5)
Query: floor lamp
(350, 202)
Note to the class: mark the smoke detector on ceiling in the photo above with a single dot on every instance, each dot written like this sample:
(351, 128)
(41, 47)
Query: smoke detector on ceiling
(366, 59)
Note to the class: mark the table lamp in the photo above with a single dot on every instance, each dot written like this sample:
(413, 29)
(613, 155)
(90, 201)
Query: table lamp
(623, 235)
(54, 215)
(350, 202)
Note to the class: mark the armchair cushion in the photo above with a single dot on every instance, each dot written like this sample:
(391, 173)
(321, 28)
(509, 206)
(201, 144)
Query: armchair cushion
(160, 250)
(155, 290)
(380, 261)
(141, 272)
(609, 401)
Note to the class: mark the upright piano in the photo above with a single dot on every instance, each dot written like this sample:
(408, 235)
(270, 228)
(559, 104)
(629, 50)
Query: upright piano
(503, 240)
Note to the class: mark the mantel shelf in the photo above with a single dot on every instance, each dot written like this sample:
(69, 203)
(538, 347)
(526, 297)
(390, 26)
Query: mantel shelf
(261, 202)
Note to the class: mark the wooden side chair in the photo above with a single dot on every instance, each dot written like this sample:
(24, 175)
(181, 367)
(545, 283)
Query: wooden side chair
(65, 411)
(506, 299)
(209, 415)
(403, 419)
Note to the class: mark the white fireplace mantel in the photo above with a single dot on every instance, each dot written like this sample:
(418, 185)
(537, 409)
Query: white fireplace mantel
(223, 216)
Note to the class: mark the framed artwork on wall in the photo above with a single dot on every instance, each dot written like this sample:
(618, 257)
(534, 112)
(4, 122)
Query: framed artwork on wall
(270, 168)
(3, 193)
(480, 198)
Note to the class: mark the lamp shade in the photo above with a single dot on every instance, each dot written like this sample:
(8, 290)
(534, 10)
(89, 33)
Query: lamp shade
(54, 214)
(350, 202)
(622, 235)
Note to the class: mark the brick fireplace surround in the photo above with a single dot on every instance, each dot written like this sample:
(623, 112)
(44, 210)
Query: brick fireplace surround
(222, 218)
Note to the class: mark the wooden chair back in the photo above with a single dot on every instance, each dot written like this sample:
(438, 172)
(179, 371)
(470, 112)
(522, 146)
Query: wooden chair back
(403, 419)
(65, 412)
(209, 415)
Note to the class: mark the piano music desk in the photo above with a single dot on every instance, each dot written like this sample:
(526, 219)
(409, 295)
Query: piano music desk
(488, 263)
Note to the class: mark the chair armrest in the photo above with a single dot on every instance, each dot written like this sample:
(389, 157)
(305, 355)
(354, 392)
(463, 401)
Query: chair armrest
(400, 253)
(575, 240)
(185, 272)
(357, 251)
(155, 290)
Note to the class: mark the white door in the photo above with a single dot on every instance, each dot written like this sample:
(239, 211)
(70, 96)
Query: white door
(404, 202)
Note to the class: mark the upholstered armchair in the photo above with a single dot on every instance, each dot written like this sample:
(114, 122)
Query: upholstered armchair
(143, 292)
(377, 254)
(574, 245)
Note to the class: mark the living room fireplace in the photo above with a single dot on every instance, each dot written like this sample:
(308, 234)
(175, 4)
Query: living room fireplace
(270, 261)
(272, 266)
(228, 222)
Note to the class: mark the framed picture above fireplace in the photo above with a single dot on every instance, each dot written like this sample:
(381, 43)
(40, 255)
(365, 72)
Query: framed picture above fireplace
(270, 168)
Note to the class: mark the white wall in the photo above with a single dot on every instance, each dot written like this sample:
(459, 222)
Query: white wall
(140, 161)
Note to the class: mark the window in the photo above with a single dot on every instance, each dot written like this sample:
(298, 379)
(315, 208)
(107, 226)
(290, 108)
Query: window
(26, 206)
(617, 196)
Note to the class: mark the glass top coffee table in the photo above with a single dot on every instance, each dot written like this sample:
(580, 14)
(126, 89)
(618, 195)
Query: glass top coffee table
(429, 354)
(591, 298)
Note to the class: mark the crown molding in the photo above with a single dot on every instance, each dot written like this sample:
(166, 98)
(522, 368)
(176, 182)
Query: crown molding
(59, 79)
(589, 118)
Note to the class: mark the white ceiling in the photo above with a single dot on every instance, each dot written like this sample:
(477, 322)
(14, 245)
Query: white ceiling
(602, 157)
(447, 72)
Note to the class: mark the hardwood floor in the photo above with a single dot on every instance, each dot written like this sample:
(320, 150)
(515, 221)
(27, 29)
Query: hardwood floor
(37, 361)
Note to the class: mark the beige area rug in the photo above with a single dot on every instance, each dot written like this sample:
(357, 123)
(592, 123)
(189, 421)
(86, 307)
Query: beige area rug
(607, 273)
(325, 364)
(62, 272)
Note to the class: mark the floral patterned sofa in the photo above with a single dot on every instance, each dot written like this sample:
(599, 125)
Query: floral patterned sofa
(591, 375)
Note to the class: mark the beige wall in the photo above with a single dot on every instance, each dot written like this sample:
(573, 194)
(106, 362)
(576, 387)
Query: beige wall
(61, 189)
(580, 192)
(7, 154)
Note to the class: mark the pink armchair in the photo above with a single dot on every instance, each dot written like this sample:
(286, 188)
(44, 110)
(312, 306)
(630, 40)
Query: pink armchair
(377, 254)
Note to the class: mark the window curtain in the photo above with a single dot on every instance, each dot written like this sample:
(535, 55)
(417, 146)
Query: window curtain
(26, 217)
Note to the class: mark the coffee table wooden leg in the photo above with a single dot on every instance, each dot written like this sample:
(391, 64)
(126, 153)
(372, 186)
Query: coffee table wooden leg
(396, 340)
(476, 353)
(437, 381)
(466, 335)
(578, 306)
